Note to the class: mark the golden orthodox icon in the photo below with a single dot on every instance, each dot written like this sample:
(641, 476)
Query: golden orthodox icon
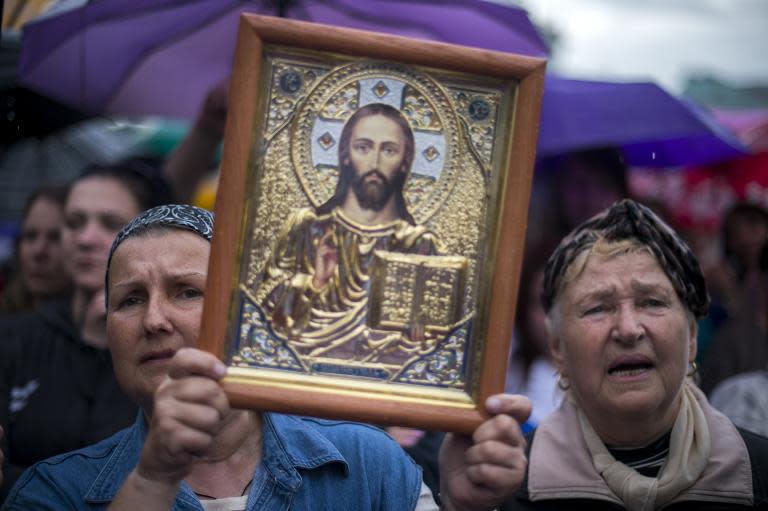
(368, 202)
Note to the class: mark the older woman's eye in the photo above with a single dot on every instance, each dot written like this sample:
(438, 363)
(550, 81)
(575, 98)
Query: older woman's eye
(594, 309)
(190, 293)
(128, 301)
(654, 302)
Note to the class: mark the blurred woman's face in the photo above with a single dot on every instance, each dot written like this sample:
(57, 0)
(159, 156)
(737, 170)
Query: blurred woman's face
(747, 238)
(41, 261)
(156, 285)
(96, 209)
(624, 340)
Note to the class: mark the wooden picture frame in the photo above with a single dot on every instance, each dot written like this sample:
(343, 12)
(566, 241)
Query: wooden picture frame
(411, 327)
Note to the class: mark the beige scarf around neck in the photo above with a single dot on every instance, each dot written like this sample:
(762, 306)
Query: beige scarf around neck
(689, 447)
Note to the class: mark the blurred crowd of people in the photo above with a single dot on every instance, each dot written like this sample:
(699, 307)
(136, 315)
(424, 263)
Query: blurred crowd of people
(58, 391)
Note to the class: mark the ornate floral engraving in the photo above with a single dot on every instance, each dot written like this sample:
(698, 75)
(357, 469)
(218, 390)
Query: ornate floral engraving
(480, 112)
(258, 346)
(444, 367)
(290, 82)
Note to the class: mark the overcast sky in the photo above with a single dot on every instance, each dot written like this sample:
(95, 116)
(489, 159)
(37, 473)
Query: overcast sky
(661, 40)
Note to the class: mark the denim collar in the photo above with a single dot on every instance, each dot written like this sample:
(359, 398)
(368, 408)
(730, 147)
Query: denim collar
(289, 443)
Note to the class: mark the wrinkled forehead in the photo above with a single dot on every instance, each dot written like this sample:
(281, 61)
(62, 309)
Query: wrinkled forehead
(626, 221)
(635, 267)
(166, 250)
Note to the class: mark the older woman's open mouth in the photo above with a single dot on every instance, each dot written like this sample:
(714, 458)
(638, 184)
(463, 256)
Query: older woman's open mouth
(158, 356)
(630, 367)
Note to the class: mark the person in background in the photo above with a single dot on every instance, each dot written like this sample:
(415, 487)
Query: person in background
(194, 157)
(739, 284)
(745, 233)
(190, 449)
(531, 371)
(622, 293)
(586, 182)
(57, 387)
(743, 398)
(39, 272)
(740, 343)
(424, 448)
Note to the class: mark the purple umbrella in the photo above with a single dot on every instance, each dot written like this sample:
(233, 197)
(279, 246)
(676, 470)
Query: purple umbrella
(160, 57)
(651, 127)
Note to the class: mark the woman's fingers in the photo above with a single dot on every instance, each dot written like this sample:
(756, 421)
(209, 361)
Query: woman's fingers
(189, 410)
(495, 478)
(482, 471)
(193, 389)
(493, 453)
(194, 362)
(515, 405)
(200, 417)
(182, 442)
(503, 428)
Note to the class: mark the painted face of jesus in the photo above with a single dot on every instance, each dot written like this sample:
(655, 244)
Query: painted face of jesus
(376, 154)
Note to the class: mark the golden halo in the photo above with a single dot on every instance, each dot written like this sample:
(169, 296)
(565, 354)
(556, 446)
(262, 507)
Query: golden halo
(423, 102)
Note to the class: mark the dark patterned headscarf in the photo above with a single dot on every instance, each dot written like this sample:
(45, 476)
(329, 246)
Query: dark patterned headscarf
(625, 220)
(175, 216)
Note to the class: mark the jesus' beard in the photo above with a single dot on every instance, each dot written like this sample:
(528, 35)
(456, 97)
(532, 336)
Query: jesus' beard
(374, 194)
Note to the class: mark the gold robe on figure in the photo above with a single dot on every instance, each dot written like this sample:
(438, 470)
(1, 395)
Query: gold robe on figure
(330, 323)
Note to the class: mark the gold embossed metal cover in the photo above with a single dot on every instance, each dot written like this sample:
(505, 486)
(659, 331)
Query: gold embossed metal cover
(330, 284)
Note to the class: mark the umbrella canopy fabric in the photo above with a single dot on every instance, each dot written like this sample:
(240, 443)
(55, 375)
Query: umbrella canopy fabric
(160, 57)
(651, 127)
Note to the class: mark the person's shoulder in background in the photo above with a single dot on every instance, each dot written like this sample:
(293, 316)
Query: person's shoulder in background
(743, 398)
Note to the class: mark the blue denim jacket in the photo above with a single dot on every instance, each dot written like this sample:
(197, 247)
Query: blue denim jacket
(306, 464)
